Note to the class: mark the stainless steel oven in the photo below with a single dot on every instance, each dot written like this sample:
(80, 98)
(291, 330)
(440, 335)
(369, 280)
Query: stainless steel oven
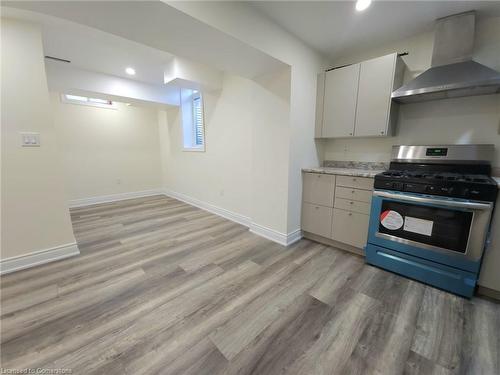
(430, 214)
(449, 226)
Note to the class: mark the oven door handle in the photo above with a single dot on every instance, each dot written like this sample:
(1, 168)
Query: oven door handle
(441, 202)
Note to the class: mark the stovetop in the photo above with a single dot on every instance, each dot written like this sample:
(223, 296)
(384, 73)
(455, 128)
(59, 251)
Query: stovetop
(451, 184)
(439, 177)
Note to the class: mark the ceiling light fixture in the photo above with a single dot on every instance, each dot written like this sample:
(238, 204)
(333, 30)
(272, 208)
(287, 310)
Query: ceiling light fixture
(130, 71)
(362, 4)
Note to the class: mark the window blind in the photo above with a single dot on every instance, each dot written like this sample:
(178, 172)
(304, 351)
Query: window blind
(198, 121)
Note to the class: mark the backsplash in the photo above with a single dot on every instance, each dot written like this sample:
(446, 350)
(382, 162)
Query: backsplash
(355, 164)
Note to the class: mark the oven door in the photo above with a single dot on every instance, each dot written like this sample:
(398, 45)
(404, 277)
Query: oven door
(448, 231)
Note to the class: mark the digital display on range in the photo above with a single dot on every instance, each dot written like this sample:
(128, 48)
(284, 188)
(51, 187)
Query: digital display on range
(436, 151)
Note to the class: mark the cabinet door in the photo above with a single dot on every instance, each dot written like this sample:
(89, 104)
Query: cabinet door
(318, 189)
(355, 182)
(320, 96)
(317, 219)
(339, 104)
(350, 227)
(374, 96)
(353, 194)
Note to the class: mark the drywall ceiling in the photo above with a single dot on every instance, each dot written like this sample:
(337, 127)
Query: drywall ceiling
(162, 27)
(335, 28)
(96, 51)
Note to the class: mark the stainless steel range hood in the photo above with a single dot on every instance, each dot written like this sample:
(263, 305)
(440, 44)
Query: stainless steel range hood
(453, 72)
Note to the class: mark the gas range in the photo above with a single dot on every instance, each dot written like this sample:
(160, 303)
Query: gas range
(423, 179)
(430, 214)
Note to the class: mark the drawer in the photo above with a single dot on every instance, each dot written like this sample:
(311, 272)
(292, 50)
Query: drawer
(353, 194)
(317, 219)
(355, 182)
(351, 205)
(318, 188)
(350, 227)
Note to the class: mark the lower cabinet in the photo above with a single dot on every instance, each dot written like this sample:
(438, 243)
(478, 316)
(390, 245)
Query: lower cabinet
(336, 209)
(317, 219)
(350, 227)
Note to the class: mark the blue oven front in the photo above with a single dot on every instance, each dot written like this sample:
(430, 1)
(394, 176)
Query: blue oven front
(436, 240)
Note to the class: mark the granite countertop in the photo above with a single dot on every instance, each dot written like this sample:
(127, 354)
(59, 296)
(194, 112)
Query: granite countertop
(497, 179)
(356, 172)
(349, 168)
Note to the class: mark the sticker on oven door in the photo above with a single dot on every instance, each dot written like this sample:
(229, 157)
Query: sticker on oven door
(420, 226)
(391, 219)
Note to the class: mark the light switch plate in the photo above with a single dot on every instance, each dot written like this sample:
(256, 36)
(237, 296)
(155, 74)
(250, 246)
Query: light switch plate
(29, 139)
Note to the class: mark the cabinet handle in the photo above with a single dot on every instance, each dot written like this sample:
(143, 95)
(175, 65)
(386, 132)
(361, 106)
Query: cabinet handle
(350, 213)
(350, 133)
(353, 191)
(354, 179)
(316, 207)
(382, 132)
(351, 202)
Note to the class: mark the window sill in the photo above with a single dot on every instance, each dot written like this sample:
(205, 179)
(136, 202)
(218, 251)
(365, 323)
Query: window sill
(194, 149)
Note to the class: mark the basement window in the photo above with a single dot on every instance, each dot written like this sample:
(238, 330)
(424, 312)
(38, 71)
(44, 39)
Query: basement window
(84, 100)
(193, 124)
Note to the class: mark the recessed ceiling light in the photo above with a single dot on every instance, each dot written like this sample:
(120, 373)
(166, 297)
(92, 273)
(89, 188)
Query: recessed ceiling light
(362, 4)
(130, 71)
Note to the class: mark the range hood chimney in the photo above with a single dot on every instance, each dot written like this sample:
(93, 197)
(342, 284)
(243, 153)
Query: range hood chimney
(453, 72)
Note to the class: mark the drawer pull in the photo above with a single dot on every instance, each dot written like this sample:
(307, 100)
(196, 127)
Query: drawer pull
(350, 213)
(353, 191)
(351, 202)
(354, 179)
(316, 207)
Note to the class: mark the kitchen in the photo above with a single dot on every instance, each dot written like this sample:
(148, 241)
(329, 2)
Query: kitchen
(363, 100)
(250, 187)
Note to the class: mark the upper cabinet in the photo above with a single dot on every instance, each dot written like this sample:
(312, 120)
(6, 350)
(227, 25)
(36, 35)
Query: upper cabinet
(356, 99)
(339, 105)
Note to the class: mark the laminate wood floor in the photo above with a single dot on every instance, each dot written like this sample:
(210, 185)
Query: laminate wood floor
(164, 287)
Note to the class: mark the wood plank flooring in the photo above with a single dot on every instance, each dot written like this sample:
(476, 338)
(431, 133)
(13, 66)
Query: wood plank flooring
(163, 287)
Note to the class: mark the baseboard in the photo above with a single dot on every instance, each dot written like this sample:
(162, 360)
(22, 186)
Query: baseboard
(488, 292)
(113, 197)
(293, 237)
(275, 236)
(38, 257)
(271, 234)
(230, 215)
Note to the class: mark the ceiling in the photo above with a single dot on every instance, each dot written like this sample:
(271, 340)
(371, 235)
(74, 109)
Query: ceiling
(143, 33)
(335, 28)
(97, 51)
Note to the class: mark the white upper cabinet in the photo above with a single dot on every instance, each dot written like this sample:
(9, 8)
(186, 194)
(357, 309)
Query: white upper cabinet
(356, 99)
(339, 104)
(376, 78)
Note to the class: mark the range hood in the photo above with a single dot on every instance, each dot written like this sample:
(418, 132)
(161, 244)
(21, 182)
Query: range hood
(453, 72)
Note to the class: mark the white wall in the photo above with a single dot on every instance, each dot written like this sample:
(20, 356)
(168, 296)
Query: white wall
(35, 213)
(233, 173)
(460, 120)
(245, 23)
(107, 151)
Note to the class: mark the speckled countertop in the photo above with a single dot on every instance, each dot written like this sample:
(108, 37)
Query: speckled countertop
(357, 172)
(349, 168)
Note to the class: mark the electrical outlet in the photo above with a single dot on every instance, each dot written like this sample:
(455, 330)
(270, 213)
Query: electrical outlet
(29, 139)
